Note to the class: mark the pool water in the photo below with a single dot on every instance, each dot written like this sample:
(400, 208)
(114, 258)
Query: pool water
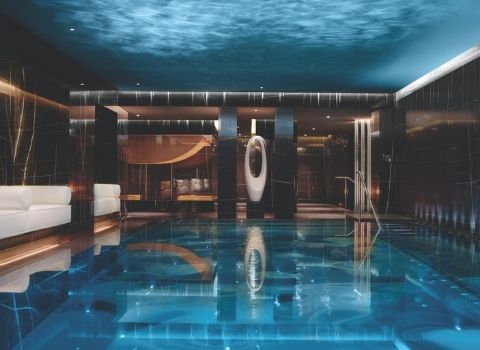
(208, 284)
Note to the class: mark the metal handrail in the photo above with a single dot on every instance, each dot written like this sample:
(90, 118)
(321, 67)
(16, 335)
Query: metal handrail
(345, 191)
(367, 193)
(375, 214)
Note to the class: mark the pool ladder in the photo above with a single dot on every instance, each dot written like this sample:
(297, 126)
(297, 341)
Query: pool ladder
(359, 205)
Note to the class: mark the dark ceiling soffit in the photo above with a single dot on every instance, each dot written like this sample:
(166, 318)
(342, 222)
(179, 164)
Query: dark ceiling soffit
(22, 46)
(236, 99)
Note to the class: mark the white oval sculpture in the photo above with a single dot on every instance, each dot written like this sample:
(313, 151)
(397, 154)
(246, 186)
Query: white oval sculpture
(256, 185)
(254, 259)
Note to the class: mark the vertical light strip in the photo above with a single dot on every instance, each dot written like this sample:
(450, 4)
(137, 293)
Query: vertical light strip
(369, 160)
(363, 163)
(355, 157)
(253, 128)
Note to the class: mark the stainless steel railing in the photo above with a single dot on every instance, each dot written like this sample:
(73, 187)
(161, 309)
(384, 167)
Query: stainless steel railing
(360, 211)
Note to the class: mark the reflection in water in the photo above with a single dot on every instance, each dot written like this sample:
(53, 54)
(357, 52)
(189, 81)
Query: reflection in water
(322, 291)
(255, 259)
(201, 265)
(17, 279)
(109, 237)
(362, 243)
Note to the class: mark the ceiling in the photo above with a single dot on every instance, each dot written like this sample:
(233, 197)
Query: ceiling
(251, 45)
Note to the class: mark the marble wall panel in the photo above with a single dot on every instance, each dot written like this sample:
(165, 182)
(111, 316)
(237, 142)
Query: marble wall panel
(33, 128)
(106, 145)
(441, 177)
(284, 164)
(388, 148)
(82, 143)
(227, 163)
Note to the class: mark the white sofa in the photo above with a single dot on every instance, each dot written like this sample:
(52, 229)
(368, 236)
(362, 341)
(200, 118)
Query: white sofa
(31, 208)
(106, 199)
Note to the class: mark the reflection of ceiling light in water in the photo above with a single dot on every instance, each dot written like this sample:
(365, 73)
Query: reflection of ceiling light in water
(255, 259)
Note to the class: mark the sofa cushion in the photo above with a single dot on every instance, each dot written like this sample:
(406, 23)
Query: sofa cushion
(13, 222)
(15, 198)
(106, 191)
(50, 194)
(42, 216)
(106, 206)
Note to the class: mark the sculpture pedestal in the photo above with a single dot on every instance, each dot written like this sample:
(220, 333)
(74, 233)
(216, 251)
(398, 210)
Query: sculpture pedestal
(255, 210)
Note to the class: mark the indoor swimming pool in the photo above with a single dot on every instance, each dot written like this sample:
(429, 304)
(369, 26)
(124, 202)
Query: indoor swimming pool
(213, 284)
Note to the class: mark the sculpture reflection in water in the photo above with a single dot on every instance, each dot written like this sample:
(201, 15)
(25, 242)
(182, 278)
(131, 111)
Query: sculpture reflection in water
(255, 259)
(362, 242)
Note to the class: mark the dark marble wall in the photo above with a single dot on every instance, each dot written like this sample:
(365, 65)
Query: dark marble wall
(82, 143)
(337, 163)
(440, 178)
(388, 156)
(33, 128)
(39, 144)
(311, 175)
(106, 148)
(227, 162)
(284, 164)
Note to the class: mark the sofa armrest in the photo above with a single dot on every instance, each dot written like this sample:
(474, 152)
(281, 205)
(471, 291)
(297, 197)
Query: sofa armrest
(106, 191)
(15, 198)
(51, 194)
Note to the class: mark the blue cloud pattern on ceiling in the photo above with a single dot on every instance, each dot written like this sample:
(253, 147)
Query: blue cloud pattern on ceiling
(281, 45)
(183, 27)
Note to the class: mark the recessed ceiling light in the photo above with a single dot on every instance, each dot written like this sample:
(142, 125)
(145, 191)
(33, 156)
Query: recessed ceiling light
(313, 129)
(305, 135)
(328, 117)
(138, 84)
(82, 84)
(256, 110)
(261, 87)
(239, 134)
(72, 29)
(138, 115)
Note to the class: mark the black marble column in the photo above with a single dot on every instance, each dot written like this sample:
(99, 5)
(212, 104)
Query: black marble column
(265, 129)
(106, 159)
(82, 134)
(284, 165)
(388, 154)
(227, 162)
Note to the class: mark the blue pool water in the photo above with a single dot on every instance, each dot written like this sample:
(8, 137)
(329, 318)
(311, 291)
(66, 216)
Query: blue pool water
(188, 284)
